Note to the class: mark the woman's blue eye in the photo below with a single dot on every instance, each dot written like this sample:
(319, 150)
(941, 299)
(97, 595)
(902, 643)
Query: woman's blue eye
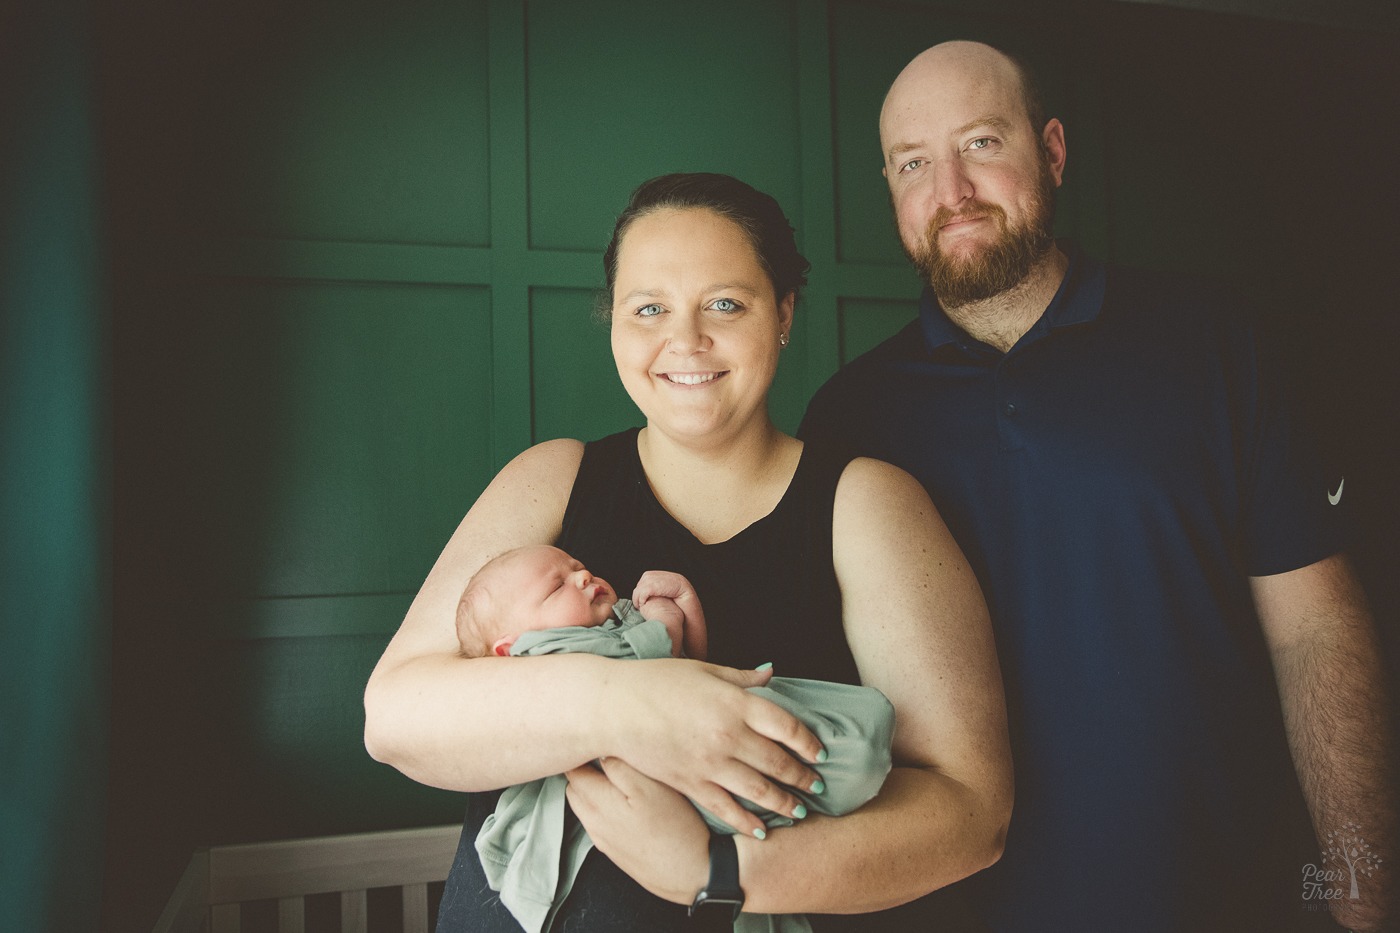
(648, 310)
(725, 304)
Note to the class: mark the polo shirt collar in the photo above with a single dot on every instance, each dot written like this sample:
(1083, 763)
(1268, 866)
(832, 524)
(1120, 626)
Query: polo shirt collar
(1078, 301)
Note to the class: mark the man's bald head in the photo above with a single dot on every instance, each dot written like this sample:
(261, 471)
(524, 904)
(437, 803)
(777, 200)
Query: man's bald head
(969, 61)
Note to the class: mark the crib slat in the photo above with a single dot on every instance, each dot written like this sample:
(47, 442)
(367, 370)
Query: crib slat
(226, 918)
(415, 908)
(354, 912)
(291, 915)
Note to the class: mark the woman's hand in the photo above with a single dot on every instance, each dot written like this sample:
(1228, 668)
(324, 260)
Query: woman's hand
(693, 727)
(649, 830)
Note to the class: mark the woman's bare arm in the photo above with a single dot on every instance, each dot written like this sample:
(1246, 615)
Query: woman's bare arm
(483, 723)
(425, 708)
(918, 628)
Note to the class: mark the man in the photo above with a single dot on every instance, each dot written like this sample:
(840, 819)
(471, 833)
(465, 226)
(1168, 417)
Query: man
(1161, 559)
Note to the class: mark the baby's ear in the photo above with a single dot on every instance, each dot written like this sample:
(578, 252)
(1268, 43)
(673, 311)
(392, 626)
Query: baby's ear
(501, 648)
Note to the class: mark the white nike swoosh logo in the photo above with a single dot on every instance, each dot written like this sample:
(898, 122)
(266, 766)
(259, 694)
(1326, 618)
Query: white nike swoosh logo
(1335, 497)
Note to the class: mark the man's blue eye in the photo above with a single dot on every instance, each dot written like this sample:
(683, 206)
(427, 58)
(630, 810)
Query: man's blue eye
(981, 142)
(648, 310)
(911, 164)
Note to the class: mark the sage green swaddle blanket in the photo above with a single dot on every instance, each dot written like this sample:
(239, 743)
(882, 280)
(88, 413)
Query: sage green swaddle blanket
(532, 861)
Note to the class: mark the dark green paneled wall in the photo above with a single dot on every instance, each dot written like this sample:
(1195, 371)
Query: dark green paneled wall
(622, 87)
(356, 247)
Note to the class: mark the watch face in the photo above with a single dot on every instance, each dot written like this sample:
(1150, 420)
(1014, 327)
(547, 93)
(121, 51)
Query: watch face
(708, 903)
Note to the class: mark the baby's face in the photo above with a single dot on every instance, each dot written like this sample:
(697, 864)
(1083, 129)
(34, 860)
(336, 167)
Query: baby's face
(546, 588)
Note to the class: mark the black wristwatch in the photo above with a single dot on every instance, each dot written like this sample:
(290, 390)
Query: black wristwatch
(723, 892)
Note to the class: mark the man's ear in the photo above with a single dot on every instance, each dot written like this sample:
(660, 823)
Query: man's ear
(1053, 139)
(501, 648)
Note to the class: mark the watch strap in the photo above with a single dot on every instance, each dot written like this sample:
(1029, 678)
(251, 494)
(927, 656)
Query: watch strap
(723, 890)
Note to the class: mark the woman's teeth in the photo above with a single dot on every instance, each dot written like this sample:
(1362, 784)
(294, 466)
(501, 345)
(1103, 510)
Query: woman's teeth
(691, 379)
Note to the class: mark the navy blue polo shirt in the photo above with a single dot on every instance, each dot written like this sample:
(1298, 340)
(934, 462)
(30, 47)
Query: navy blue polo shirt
(1115, 478)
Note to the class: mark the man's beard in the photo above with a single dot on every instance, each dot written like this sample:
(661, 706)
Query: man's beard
(993, 269)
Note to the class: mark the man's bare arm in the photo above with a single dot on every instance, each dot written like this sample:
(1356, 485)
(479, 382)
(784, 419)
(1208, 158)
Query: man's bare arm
(1331, 683)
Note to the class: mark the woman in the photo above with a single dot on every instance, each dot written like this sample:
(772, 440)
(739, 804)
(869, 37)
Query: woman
(832, 568)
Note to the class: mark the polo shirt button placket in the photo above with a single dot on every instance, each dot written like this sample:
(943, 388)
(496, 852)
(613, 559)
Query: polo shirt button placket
(1010, 423)
(1009, 417)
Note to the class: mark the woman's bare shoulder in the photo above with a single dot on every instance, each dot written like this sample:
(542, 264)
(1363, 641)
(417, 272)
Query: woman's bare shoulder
(525, 503)
(558, 457)
(867, 483)
(886, 534)
(536, 481)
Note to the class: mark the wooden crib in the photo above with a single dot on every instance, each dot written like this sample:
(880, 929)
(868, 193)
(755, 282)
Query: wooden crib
(218, 881)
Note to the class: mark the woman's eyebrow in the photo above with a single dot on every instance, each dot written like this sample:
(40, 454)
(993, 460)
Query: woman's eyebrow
(653, 293)
(642, 293)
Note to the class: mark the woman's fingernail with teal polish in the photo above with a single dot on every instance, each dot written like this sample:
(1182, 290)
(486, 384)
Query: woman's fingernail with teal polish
(799, 812)
(760, 834)
(821, 756)
(818, 786)
(764, 666)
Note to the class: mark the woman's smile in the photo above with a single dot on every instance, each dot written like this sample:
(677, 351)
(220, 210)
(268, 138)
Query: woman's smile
(692, 379)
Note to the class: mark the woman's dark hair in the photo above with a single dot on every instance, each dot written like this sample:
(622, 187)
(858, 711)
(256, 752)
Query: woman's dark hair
(756, 213)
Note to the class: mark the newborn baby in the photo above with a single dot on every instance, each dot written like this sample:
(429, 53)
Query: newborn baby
(541, 587)
(539, 600)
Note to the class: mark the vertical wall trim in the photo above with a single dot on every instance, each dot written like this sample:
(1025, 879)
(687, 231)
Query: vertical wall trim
(818, 325)
(511, 428)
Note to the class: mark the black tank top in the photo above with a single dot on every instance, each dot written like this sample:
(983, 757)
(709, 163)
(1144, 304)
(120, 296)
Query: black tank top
(769, 593)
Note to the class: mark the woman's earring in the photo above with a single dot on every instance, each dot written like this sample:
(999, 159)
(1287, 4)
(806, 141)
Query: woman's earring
(782, 340)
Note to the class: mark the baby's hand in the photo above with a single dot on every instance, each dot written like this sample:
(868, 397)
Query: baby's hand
(666, 593)
(663, 609)
(662, 583)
